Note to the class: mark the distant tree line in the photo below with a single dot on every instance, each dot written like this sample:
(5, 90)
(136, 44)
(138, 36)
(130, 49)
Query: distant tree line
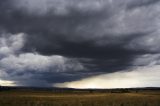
(70, 90)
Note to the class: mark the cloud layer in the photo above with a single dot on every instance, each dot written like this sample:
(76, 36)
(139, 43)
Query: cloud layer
(51, 41)
(15, 64)
(139, 77)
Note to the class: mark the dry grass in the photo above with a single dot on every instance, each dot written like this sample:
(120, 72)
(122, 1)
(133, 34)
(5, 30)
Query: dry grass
(79, 99)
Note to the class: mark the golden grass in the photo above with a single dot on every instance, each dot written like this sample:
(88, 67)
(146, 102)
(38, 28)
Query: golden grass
(79, 99)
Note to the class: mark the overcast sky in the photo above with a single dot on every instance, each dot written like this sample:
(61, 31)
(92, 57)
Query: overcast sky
(80, 43)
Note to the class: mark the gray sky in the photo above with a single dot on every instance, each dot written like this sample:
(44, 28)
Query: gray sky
(45, 42)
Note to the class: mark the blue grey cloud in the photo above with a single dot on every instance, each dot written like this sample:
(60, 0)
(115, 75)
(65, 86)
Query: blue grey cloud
(74, 39)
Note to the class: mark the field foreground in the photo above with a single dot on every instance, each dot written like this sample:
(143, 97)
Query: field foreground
(49, 98)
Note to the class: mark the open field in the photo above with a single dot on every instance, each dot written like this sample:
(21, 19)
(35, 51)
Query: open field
(49, 98)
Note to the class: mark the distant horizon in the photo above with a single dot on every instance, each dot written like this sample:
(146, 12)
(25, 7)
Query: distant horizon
(78, 88)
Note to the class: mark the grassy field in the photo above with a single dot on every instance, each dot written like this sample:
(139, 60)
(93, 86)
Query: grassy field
(48, 98)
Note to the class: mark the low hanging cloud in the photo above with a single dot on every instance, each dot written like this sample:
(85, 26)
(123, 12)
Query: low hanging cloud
(30, 61)
(139, 77)
(13, 61)
(145, 72)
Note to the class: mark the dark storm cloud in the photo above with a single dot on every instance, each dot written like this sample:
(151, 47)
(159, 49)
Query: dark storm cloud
(99, 35)
(141, 3)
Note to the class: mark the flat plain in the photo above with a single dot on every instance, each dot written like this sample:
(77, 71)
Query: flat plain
(79, 98)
